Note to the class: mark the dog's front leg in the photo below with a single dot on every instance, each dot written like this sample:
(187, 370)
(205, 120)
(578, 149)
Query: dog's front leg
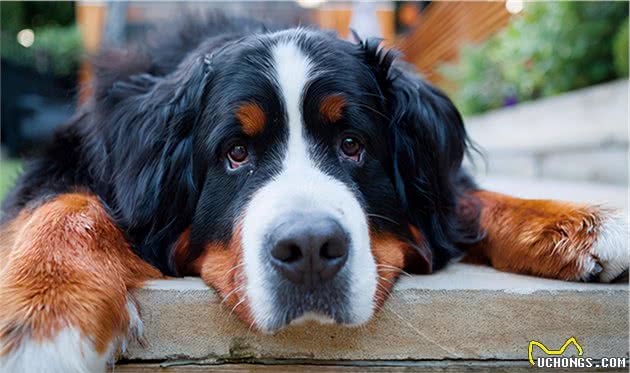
(551, 239)
(64, 282)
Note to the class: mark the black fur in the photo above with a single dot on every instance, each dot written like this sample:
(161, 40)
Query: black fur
(150, 141)
(427, 142)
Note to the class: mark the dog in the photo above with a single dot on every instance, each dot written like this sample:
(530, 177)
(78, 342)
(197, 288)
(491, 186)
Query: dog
(296, 173)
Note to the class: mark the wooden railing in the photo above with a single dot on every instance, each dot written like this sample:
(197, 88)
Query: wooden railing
(440, 32)
(444, 27)
(90, 19)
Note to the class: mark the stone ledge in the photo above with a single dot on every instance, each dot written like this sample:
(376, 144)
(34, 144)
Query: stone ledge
(593, 117)
(445, 366)
(608, 195)
(462, 313)
(579, 135)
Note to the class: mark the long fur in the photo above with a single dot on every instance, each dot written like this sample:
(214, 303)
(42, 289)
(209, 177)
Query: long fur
(133, 143)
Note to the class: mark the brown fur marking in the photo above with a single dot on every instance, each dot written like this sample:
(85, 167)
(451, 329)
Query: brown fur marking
(180, 253)
(537, 237)
(220, 266)
(68, 265)
(8, 234)
(389, 254)
(331, 107)
(252, 118)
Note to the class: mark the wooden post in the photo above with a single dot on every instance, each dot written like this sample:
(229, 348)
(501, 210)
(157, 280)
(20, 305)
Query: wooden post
(90, 20)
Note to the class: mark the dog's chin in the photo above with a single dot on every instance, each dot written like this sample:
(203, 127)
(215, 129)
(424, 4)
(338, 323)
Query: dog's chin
(314, 319)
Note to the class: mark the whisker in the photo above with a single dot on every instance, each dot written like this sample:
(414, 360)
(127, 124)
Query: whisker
(393, 268)
(384, 218)
(251, 327)
(237, 304)
(388, 270)
(386, 280)
(381, 296)
(374, 111)
(235, 290)
(233, 268)
(383, 287)
(395, 271)
(385, 290)
(370, 94)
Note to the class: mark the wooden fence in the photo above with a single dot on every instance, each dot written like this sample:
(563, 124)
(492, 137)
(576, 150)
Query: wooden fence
(440, 31)
(444, 27)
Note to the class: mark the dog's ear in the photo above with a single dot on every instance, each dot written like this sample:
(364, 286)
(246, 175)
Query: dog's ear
(149, 149)
(427, 142)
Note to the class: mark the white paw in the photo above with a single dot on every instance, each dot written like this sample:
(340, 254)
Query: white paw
(135, 330)
(610, 249)
(68, 352)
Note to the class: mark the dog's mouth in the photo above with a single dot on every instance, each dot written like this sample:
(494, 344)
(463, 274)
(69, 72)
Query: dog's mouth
(327, 302)
(332, 303)
(349, 299)
(308, 267)
(308, 271)
(277, 299)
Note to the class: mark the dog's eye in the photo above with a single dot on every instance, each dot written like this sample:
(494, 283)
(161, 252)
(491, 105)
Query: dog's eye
(237, 156)
(351, 148)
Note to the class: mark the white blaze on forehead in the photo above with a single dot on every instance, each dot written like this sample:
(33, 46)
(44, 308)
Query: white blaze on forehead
(292, 75)
(301, 186)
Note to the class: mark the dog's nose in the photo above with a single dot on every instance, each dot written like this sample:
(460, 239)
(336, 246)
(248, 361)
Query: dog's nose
(308, 249)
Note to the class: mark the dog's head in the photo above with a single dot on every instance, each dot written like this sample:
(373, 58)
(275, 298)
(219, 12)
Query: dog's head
(313, 171)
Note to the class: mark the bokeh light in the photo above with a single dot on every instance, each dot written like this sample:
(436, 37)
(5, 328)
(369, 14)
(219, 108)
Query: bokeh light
(26, 37)
(514, 6)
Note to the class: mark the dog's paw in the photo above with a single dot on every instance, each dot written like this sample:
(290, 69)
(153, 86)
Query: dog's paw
(67, 351)
(135, 329)
(609, 255)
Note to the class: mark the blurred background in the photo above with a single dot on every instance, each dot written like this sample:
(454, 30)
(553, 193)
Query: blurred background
(543, 86)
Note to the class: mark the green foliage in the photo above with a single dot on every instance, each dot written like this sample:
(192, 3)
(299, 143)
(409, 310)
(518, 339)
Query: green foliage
(552, 47)
(56, 50)
(620, 49)
(57, 46)
(9, 171)
(11, 16)
(17, 15)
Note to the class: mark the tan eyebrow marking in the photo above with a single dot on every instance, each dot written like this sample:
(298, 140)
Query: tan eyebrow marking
(331, 107)
(252, 118)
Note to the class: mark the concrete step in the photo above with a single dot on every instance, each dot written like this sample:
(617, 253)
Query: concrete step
(464, 313)
(592, 117)
(349, 367)
(609, 195)
(579, 135)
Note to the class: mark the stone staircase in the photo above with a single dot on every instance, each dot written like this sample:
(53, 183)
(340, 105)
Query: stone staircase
(578, 136)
